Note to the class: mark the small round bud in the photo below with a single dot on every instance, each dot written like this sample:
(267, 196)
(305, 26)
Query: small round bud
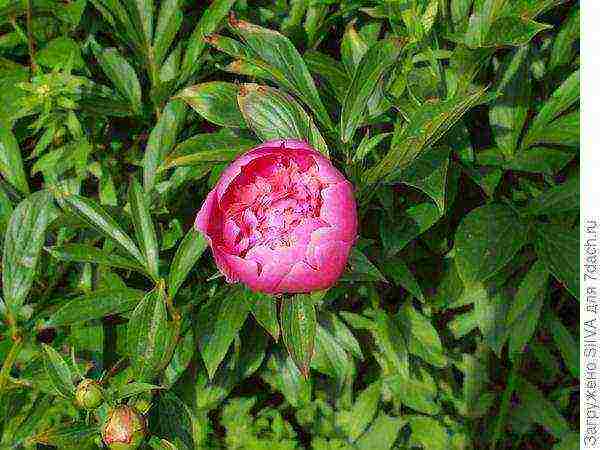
(88, 394)
(124, 428)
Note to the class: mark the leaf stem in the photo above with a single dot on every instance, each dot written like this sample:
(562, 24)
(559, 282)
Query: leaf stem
(510, 388)
(9, 362)
(30, 39)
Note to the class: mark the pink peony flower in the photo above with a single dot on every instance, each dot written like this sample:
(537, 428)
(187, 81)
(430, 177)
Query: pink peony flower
(281, 219)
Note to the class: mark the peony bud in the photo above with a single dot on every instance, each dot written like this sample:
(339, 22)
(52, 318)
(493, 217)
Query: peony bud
(124, 428)
(281, 219)
(88, 395)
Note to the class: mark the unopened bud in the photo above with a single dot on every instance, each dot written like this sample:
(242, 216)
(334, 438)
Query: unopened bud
(88, 394)
(124, 428)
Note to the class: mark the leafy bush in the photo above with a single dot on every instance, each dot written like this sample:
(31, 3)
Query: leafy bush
(454, 325)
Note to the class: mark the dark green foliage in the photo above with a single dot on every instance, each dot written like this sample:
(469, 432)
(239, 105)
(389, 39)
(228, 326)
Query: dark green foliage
(455, 323)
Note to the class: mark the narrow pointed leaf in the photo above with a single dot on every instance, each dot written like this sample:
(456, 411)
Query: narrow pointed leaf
(59, 372)
(151, 337)
(25, 235)
(298, 328)
(144, 228)
(372, 66)
(189, 251)
(94, 215)
(96, 305)
(11, 163)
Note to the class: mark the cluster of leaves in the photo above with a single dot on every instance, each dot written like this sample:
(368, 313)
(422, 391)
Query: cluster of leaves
(455, 324)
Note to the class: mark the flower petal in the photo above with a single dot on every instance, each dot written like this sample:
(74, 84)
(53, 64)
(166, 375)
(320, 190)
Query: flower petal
(235, 268)
(339, 210)
(331, 260)
(203, 218)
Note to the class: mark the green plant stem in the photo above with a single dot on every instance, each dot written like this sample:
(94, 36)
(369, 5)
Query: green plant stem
(9, 362)
(506, 396)
(30, 40)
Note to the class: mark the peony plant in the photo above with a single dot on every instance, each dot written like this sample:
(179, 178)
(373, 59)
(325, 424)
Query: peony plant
(281, 219)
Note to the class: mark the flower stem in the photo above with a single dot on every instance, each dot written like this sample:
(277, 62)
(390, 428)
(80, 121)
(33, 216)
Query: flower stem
(9, 362)
(30, 39)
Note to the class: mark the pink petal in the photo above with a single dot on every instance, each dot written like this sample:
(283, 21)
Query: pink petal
(203, 218)
(327, 172)
(329, 257)
(235, 268)
(301, 154)
(339, 210)
(330, 262)
(230, 233)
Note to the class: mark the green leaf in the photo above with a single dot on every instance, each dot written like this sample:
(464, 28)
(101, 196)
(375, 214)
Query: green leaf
(415, 220)
(532, 284)
(189, 251)
(540, 409)
(539, 160)
(491, 311)
(391, 343)
(209, 22)
(216, 101)
(58, 52)
(415, 394)
(486, 240)
(217, 326)
(169, 21)
(58, 372)
(330, 358)
(179, 423)
(144, 19)
(355, 421)
(11, 164)
(561, 100)
(94, 215)
(566, 343)
(563, 131)
(427, 125)
(512, 30)
(422, 337)
(88, 254)
(563, 47)
(525, 308)
(401, 275)
(284, 63)
(509, 110)
(162, 139)
(264, 310)
(25, 235)
(561, 198)
(144, 228)
(382, 433)
(341, 333)
(96, 305)
(330, 70)
(352, 48)
(373, 65)
(133, 388)
(428, 433)
(64, 435)
(361, 269)
(428, 173)
(298, 328)
(558, 248)
(122, 75)
(151, 336)
(208, 149)
(272, 114)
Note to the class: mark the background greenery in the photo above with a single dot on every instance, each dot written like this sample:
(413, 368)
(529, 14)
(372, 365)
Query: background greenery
(455, 325)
